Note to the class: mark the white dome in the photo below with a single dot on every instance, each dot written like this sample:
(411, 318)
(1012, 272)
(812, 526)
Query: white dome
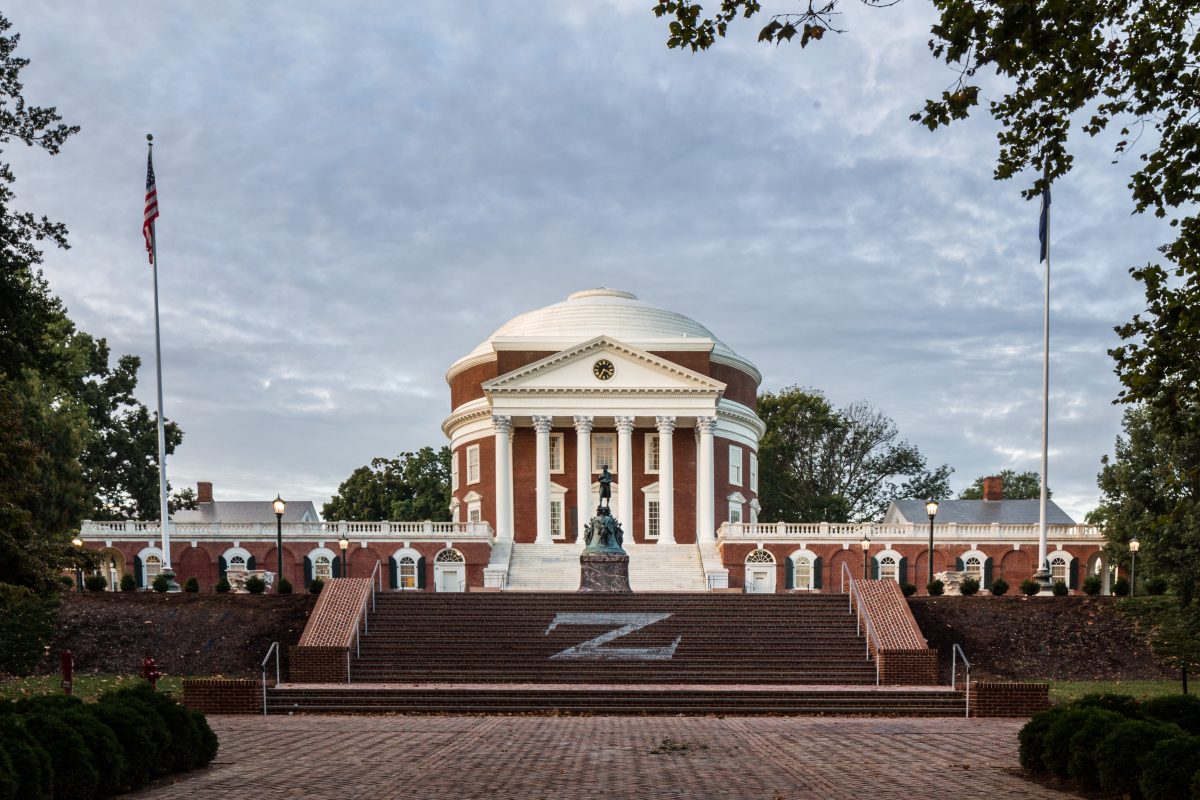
(605, 312)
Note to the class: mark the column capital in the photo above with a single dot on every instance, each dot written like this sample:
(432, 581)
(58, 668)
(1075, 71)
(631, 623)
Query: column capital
(583, 425)
(665, 424)
(501, 424)
(624, 424)
(543, 424)
(706, 425)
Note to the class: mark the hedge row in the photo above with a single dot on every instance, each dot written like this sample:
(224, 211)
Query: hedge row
(1114, 744)
(58, 747)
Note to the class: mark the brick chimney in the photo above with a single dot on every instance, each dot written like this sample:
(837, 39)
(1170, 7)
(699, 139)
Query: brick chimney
(204, 492)
(993, 488)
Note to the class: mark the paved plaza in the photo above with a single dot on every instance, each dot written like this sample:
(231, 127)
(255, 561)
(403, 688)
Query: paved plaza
(498, 757)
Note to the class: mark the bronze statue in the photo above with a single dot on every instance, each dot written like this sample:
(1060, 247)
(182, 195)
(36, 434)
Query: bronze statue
(605, 481)
(604, 532)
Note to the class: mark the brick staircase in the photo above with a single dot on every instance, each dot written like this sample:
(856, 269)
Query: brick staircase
(652, 567)
(696, 653)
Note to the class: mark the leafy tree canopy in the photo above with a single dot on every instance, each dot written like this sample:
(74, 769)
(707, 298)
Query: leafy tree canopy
(412, 486)
(837, 465)
(1017, 486)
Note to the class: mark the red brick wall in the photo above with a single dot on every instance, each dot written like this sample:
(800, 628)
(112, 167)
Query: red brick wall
(908, 667)
(486, 486)
(995, 699)
(223, 695)
(317, 664)
(722, 487)
(739, 387)
(694, 360)
(509, 360)
(468, 384)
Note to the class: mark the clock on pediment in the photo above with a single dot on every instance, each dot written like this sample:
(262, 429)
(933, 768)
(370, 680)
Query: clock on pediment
(604, 369)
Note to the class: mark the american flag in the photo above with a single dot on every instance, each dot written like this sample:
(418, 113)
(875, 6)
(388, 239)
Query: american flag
(151, 208)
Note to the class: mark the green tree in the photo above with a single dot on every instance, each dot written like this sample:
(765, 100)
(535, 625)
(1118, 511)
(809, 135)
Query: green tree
(1017, 486)
(821, 463)
(412, 486)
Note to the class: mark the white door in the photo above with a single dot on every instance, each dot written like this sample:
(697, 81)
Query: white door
(759, 581)
(450, 579)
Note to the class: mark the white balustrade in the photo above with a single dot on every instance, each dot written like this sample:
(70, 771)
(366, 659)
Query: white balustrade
(821, 531)
(265, 531)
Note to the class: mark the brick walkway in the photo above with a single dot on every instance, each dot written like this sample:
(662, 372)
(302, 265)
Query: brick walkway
(797, 758)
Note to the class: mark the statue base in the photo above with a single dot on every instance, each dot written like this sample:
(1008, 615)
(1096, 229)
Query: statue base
(604, 572)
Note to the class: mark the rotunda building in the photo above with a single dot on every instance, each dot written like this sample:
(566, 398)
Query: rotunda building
(603, 378)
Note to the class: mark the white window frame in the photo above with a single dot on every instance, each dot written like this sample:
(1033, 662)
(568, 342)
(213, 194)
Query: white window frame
(754, 472)
(322, 552)
(454, 471)
(558, 447)
(322, 567)
(235, 563)
(652, 454)
(737, 508)
(597, 461)
(735, 465)
(415, 557)
(653, 515)
(145, 554)
(472, 469)
(1060, 560)
(558, 500)
(475, 512)
(889, 568)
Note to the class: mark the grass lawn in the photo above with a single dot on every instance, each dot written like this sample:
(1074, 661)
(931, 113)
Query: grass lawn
(87, 687)
(1063, 691)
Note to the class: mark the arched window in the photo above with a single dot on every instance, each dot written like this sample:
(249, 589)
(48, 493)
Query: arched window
(974, 568)
(236, 564)
(804, 571)
(1058, 569)
(153, 566)
(760, 557)
(322, 567)
(889, 570)
(407, 567)
(449, 557)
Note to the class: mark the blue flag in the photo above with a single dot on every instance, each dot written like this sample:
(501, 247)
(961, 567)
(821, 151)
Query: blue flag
(1044, 223)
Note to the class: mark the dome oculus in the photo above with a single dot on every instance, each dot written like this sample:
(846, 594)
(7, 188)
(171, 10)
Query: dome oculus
(604, 369)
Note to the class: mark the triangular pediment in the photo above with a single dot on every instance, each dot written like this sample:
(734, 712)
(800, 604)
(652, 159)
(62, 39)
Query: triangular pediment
(575, 370)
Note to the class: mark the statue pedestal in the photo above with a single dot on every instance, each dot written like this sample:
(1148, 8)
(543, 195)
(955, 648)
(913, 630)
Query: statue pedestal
(604, 572)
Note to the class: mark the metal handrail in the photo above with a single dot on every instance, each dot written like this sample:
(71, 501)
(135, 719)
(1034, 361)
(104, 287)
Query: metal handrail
(376, 574)
(273, 649)
(863, 617)
(956, 652)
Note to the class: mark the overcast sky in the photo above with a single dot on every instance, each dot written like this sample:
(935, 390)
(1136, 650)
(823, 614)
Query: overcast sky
(355, 195)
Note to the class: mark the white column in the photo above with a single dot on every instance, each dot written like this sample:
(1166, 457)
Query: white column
(504, 528)
(666, 480)
(583, 473)
(625, 473)
(541, 426)
(705, 501)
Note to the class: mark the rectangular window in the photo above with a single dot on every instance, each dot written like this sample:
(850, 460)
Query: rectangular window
(473, 464)
(556, 452)
(735, 512)
(754, 472)
(473, 513)
(454, 471)
(735, 465)
(604, 451)
(651, 453)
(803, 573)
(652, 522)
(556, 519)
(408, 573)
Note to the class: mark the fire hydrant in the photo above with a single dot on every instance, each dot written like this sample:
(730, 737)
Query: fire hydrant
(150, 672)
(66, 662)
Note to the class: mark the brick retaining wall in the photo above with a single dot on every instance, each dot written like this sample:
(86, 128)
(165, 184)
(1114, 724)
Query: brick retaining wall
(317, 664)
(996, 699)
(916, 667)
(223, 695)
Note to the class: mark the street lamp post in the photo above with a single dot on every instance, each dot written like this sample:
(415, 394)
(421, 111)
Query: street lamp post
(865, 544)
(1134, 544)
(78, 569)
(345, 545)
(279, 507)
(931, 510)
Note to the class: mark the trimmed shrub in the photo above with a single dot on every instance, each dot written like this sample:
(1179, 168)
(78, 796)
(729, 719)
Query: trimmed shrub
(969, 586)
(1123, 704)
(1168, 769)
(1118, 754)
(315, 586)
(1056, 744)
(74, 775)
(222, 586)
(1121, 587)
(26, 625)
(935, 588)
(1196, 786)
(1156, 586)
(139, 737)
(128, 584)
(95, 583)
(107, 755)
(1030, 587)
(999, 587)
(1182, 709)
(209, 744)
(191, 585)
(8, 778)
(67, 582)
(1092, 585)
(30, 761)
(284, 586)
(183, 749)
(255, 585)
(1060, 589)
(1032, 736)
(160, 583)
(1081, 765)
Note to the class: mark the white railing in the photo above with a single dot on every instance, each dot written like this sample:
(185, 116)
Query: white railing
(863, 617)
(292, 531)
(854, 531)
(273, 649)
(956, 653)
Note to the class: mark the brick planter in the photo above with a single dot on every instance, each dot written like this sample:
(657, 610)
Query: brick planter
(223, 695)
(996, 699)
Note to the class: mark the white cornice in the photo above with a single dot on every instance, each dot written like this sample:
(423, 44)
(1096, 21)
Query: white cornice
(738, 362)
(466, 362)
(467, 412)
(728, 409)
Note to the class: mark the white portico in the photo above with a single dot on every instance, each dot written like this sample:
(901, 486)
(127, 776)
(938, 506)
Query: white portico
(541, 408)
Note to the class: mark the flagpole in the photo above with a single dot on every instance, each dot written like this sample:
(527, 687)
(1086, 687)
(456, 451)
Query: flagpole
(164, 509)
(1042, 575)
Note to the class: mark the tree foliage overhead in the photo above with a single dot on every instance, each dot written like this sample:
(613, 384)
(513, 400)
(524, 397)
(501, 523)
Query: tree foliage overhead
(838, 465)
(410, 487)
(1017, 486)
